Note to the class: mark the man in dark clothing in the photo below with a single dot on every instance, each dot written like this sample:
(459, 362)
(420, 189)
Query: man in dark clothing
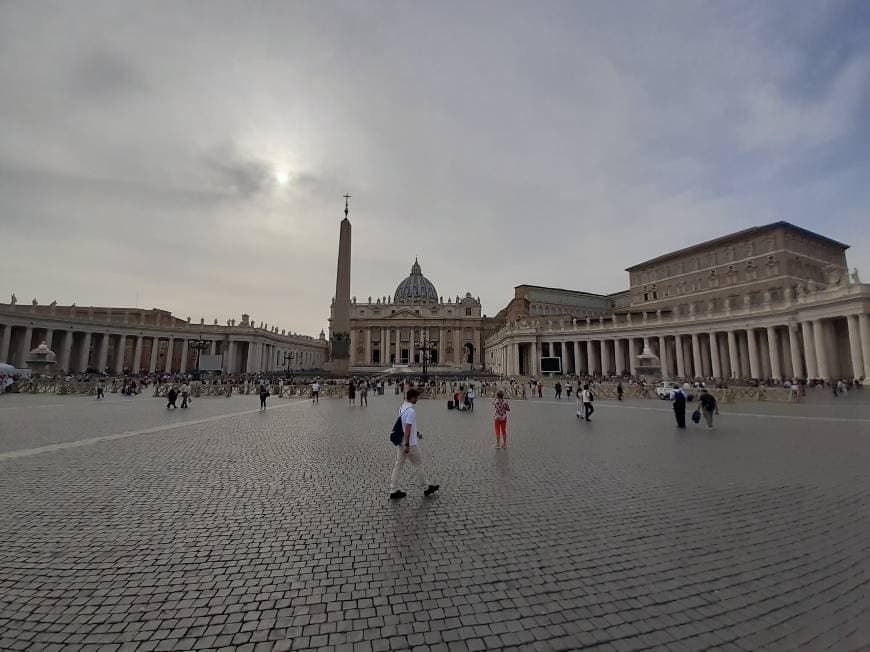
(619, 391)
(679, 399)
(558, 389)
(171, 397)
(708, 407)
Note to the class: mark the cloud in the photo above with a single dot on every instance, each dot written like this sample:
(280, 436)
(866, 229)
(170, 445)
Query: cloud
(502, 143)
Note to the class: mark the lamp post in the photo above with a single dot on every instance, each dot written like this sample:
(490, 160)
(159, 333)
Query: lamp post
(199, 345)
(425, 349)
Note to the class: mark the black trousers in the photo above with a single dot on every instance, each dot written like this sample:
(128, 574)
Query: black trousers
(680, 414)
(588, 409)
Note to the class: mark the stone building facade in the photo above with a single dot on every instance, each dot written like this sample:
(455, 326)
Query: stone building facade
(118, 339)
(387, 331)
(774, 301)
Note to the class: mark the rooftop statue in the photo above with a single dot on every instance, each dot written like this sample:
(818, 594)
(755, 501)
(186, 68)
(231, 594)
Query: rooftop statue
(13, 300)
(35, 302)
(855, 277)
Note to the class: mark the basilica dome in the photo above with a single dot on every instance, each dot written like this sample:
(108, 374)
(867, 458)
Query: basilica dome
(416, 288)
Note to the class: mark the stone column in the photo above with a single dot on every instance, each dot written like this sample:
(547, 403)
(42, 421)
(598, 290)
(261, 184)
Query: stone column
(137, 355)
(855, 347)
(49, 335)
(104, 352)
(714, 355)
(663, 356)
(577, 367)
(85, 353)
(533, 358)
(169, 353)
(794, 345)
(821, 349)
(733, 354)
(249, 363)
(605, 363)
(385, 348)
(619, 354)
(681, 363)
(155, 349)
(120, 354)
(697, 367)
(229, 359)
(5, 342)
(184, 355)
(24, 347)
(65, 351)
(810, 349)
(368, 346)
(213, 349)
(442, 343)
(754, 363)
(864, 332)
(632, 356)
(773, 346)
(591, 358)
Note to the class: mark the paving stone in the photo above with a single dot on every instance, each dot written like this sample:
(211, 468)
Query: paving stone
(273, 532)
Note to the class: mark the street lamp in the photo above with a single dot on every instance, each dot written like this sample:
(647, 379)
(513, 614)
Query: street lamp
(425, 349)
(199, 345)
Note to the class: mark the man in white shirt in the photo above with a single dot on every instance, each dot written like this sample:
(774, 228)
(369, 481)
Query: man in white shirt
(315, 392)
(409, 449)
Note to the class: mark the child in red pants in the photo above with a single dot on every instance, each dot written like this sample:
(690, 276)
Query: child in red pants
(500, 409)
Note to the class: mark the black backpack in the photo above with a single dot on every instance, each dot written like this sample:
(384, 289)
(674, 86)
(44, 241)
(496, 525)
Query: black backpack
(397, 435)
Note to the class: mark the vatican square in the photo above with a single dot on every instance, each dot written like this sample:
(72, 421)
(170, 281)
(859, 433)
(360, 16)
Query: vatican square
(230, 528)
(434, 326)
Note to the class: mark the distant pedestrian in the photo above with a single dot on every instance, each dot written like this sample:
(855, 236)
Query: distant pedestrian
(185, 395)
(364, 393)
(315, 392)
(540, 389)
(558, 388)
(351, 393)
(171, 397)
(568, 390)
(500, 409)
(470, 396)
(586, 397)
(678, 396)
(101, 389)
(409, 449)
(708, 407)
(264, 394)
(619, 391)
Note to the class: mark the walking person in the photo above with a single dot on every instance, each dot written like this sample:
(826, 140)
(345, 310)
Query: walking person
(351, 393)
(315, 392)
(364, 393)
(171, 397)
(619, 391)
(678, 396)
(471, 395)
(540, 389)
(500, 409)
(586, 398)
(264, 394)
(185, 394)
(568, 390)
(101, 389)
(558, 388)
(708, 407)
(409, 449)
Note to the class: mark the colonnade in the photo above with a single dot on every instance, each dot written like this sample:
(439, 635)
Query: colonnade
(376, 345)
(114, 352)
(837, 347)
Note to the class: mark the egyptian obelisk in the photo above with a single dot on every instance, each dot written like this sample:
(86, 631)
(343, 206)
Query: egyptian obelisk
(339, 328)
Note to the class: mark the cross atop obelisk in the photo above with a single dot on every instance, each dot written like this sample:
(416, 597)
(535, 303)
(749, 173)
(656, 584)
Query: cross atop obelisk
(346, 198)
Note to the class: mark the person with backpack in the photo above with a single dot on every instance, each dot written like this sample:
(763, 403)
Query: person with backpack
(678, 396)
(405, 437)
(586, 397)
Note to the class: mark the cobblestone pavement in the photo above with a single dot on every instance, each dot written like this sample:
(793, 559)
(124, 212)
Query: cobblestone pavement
(221, 527)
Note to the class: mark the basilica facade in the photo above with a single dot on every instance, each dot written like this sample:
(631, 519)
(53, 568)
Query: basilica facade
(415, 322)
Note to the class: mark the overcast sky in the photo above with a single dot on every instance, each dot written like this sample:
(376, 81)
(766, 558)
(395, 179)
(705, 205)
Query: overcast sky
(192, 155)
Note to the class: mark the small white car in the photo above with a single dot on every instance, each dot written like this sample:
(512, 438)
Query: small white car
(664, 389)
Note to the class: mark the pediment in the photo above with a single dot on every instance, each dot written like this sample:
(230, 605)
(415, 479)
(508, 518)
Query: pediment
(405, 314)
